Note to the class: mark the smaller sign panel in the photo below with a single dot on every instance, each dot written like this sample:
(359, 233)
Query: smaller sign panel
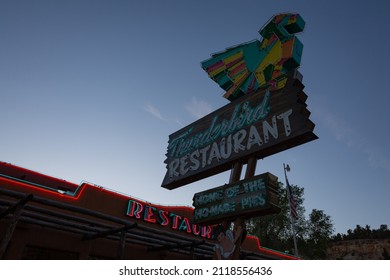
(256, 196)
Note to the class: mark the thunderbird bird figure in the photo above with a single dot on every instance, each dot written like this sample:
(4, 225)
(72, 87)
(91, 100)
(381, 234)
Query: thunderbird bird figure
(254, 65)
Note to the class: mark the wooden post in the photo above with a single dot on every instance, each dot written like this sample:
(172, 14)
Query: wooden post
(251, 168)
(239, 230)
(17, 211)
(239, 235)
(192, 252)
(239, 224)
(235, 175)
(122, 245)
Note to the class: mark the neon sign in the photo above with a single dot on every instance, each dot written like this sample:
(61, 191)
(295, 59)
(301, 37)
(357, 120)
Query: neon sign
(254, 65)
(154, 215)
(246, 198)
(258, 124)
(267, 114)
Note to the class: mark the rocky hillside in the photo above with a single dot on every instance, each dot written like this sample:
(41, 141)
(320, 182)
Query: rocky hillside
(359, 249)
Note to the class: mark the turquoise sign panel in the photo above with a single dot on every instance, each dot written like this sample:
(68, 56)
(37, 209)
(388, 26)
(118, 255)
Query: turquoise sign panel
(254, 65)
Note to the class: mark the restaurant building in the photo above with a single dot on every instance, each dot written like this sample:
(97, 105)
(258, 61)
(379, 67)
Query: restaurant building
(42, 217)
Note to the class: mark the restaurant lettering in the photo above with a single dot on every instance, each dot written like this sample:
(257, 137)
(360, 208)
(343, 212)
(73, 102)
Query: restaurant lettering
(242, 140)
(154, 215)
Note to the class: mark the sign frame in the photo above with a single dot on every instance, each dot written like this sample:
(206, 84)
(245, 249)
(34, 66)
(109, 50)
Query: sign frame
(255, 125)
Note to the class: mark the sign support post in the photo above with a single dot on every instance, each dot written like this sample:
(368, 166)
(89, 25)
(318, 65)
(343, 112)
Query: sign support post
(240, 222)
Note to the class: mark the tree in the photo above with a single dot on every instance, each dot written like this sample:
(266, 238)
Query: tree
(364, 233)
(320, 226)
(320, 229)
(274, 231)
(312, 235)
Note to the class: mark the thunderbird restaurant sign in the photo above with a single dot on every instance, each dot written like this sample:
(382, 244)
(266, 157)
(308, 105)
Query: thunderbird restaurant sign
(267, 113)
(260, 124)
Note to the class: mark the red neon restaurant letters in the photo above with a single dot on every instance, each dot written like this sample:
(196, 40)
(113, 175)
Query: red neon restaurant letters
(151, 214)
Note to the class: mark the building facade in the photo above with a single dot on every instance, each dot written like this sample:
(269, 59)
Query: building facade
(42, 217)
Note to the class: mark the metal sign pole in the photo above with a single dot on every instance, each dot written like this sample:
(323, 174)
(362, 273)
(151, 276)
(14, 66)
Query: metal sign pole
(287, 168)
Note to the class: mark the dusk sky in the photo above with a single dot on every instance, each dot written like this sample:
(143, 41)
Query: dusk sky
(90, 90)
